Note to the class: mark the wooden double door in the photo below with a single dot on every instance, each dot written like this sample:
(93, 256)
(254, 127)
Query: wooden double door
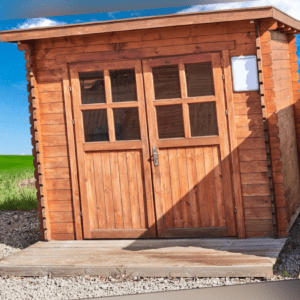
(152, 148)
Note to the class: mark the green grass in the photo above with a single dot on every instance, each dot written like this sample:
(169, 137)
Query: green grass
(13, 169)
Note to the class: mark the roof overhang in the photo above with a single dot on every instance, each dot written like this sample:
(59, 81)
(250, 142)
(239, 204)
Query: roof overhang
(254, 13)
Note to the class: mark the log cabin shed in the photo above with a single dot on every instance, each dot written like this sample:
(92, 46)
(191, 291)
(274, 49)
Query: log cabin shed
(139, 131)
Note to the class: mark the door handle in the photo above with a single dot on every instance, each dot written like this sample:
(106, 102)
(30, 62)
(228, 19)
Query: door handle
(155, 156)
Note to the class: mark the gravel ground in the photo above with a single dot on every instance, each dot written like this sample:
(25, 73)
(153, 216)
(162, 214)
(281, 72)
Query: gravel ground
(21, 229)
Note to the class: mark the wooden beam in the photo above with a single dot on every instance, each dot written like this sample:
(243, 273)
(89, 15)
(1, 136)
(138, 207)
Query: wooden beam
(146, 52)
(140, 23)
(72, 153)
(22, 47)
(233, 147)
(286, 29)
(268, 24)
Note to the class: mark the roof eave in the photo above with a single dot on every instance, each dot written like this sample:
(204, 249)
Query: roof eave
(148, 23)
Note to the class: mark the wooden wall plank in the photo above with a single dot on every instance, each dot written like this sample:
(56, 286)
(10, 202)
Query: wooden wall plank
(146, 52)
(124, 184)
(242, 30)
(253, 167)
(54, 140)
(107, 184)
(166, 189)
(100, 195)
(57, 173)
(184, 190)
(210, 188)
(132, 174)
(116, 192)
(252, 155)
(140, 188)
(54, 119)
(258, 201)
(60, 205)
(56, 162)
(175, 188)
(62, 228)
(56, 195)
(193, 187)
(219, 187)
(90, 190)
(61, 217)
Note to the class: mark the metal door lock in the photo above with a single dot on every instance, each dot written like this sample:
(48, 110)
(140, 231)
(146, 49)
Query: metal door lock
(155, 156)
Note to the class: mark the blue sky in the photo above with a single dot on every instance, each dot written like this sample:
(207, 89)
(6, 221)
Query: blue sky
(15, 137)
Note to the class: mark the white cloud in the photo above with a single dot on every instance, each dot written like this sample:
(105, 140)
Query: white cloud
(38, 22)
(291, 7)
(112, 15)
(136, 13)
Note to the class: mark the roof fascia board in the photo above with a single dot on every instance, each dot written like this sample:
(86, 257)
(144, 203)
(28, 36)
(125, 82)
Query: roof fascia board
(138, 23)
(285, 19)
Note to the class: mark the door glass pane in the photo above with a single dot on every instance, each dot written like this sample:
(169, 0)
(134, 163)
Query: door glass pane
(170, 121)
(92, 87)
(199, 79)
(123, 85)
(127, 125)
(203, 118)
(95, 125)
(166, 82)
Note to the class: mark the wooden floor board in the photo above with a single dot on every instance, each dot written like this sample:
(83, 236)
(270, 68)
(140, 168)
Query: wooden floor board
(178, 257)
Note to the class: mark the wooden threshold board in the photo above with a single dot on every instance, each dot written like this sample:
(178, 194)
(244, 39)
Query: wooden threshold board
(160, 258)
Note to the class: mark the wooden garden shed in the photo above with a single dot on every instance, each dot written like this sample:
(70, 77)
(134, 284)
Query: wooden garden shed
(138, 131)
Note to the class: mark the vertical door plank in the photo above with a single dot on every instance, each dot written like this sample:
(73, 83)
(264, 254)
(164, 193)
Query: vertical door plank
(175, 188)
(110, 215)
(166, 188)
(210, 188)
(236, 179)
(90, 188)
(144, 121)
(116, 192)
(124, 190)
(184, 188)
(153, 136)
(135, 210)
(72, 154)
(193, 187)
(202, 192)
(219, 187)
(140, 187)
(79, 134)
(100, 190)
(224, 144)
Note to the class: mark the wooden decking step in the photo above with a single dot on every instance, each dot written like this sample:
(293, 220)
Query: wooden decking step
(253, 257)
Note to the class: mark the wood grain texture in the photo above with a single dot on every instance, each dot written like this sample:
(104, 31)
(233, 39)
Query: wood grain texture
(235, 258)
(38, 152)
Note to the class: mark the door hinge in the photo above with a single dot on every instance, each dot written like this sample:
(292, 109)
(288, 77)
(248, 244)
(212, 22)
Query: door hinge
(235, 209)
(226, 112)
(81, 214)
(73, 122)
(70, 89)
(223, 77)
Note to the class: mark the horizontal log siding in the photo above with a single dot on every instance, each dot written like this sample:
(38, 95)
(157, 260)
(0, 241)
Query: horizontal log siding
(293, 203)
(287, 153)
(56, 168)
(252, 157)
(281, 125)
(270, 73)
(247, 110)
(36, 141)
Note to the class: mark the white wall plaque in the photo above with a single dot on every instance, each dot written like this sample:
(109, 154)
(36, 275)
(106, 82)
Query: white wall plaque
(245, 73)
